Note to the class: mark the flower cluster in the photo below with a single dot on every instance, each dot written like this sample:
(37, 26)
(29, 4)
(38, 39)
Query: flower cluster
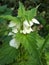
(26, 30)
(27, 26)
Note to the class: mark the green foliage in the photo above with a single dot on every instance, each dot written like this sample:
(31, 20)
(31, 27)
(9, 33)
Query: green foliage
(42, 20)
(29, 14)
(9, 17)
(47, 57)
(4, 10)
(7, 53)
(32, 45)
(22, 14)
(45, 42)
(21, 10)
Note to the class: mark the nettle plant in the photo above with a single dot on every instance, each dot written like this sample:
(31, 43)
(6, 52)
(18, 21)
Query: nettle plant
(24, 31)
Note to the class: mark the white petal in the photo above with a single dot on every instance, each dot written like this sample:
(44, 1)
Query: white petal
(29, 30)
(10, 33)
(24, 31)
(25, 23)
(14, 43)
(14, 30)
(12, 24)
(31, 23)
(35, 21)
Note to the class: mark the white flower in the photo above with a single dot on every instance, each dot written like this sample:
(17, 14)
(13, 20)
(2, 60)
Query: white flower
(14, 30)
(14, 43)
(10, 33)
(35, 21)
(26, 23)
(12, 24)
(26, 27)
(29, 30)
(25, 31)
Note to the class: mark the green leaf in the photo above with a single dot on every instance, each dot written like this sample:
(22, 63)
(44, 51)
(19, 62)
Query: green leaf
(30, 45)
(21, 10)
(41, 19)
(45, 43)
(8, 11)
(11, 18)
(8, 17)
(47, 57)
(3, 8)
(31, 13)
(39, 40)
(26, 14)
